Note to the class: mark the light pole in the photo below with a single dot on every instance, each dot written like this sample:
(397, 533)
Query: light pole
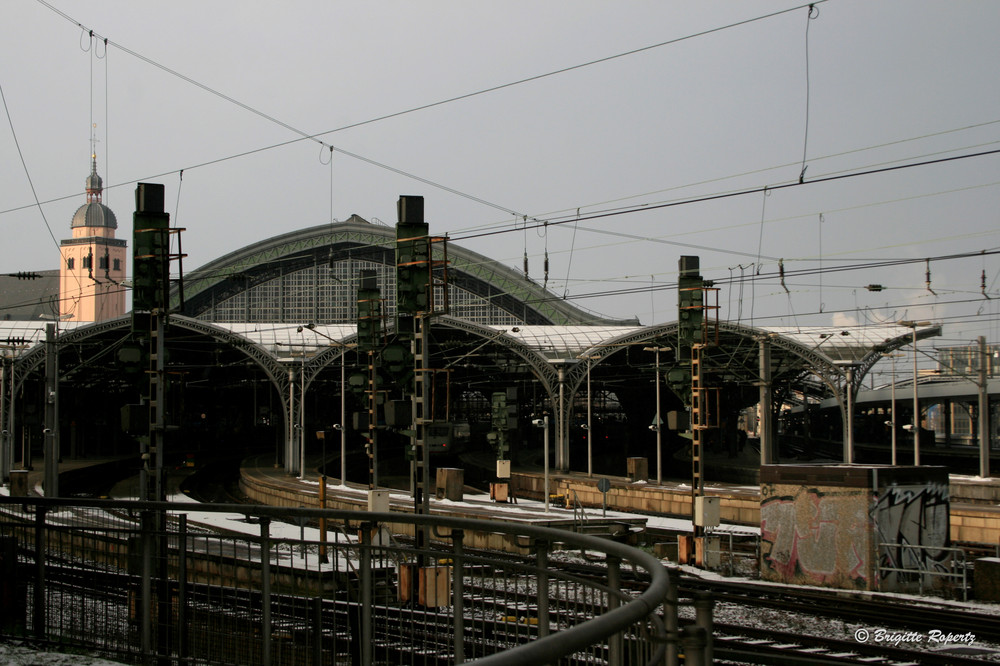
(916, 400)
(849, 386)
(562, 415)
(589, 427)
(544, 423)
(658, 426)
(342, 426)
(51, 428)
(893, 398)
(301, 425)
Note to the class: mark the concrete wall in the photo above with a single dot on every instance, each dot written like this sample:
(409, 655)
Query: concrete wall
(637, 497)
(914, 514)
(817, 536)
(824, 525)
(277, 495)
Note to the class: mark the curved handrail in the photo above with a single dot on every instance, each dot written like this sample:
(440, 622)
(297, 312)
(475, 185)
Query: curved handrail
(544, 649)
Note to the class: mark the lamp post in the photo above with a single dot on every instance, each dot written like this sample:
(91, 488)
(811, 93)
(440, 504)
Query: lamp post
(893, 398)
(51, 428)
(658, 426)
(342, 426)
(849, 386)
(544, 423)
(916, 400)
(589, 427)
(302, 417)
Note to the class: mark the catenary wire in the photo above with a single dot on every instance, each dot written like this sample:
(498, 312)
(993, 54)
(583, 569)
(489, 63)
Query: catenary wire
(303, 135)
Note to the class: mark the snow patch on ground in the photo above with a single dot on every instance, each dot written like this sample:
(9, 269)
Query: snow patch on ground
(24, 655)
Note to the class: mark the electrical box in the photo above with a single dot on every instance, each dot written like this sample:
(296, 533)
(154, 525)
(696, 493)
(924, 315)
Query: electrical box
(398, 413)
(706, 511)
(503, 469)
(378, 501)
(707, 552)
(678, 420)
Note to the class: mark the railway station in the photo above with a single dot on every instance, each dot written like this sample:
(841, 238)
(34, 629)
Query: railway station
(362, 368)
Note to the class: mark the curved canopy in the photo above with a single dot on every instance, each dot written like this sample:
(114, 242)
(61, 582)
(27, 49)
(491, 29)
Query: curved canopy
(809, 361)
(311, 275)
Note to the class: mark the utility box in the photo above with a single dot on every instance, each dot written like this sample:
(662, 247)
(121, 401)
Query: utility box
(432, 585)
(860, 527)
(378, 501)
(685, 549)
(450, 483)
(503, 469)
(706, 511)
(499, 491)
(398, 413)
(707, 553)
(677, 420)
(987, 579)
(637, 469)
(19, 483)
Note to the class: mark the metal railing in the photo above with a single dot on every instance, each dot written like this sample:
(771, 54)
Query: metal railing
(237, 584)
(916, 562)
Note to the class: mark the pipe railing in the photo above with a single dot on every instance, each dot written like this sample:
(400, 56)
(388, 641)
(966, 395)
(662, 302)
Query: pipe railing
(239, 584)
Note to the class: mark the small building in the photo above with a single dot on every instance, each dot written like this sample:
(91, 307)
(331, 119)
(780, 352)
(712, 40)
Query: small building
(854, 526)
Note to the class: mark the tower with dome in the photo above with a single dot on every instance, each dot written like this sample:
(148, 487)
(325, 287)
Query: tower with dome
(92, 269)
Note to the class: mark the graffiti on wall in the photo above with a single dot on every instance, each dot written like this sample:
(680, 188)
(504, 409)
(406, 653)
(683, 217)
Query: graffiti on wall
(816, 535)
(833, 536)
(914, 518)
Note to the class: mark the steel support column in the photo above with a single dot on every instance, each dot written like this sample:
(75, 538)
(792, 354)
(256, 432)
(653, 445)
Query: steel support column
(767, 439)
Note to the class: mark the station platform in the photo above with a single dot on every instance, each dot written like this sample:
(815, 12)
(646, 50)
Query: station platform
(630, 503)
(261, 482)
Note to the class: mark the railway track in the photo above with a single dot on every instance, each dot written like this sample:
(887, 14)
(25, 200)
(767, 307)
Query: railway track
(732, 642)
(760, 646)
(880, 611)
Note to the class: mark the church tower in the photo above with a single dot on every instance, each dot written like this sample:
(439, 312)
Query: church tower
(92, 271)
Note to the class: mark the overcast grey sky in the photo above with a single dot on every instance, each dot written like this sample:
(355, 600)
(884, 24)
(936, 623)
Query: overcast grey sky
(710, 110)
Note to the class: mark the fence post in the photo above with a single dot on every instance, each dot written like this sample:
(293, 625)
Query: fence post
(703, 618)
(364, 555)
(265, 589)
(671, 624)
(38, 620)
(458, 595)
(616, 644)
(182, 587)
(146, 593)
(693, 642)
(317, 618)
(542, 576)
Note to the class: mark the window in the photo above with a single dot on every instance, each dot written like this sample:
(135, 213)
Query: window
(87, 262)
(117, 265)
(69, 263)
(102, 262)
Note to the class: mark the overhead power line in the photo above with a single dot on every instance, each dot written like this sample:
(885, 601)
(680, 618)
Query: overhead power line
(307, 136)
(640, 208)
(763, 277)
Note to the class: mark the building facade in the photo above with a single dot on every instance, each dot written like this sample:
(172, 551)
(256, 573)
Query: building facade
(92, 268)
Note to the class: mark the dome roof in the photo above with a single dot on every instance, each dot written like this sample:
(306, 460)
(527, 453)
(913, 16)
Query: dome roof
(94, 214)
(94, 182)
